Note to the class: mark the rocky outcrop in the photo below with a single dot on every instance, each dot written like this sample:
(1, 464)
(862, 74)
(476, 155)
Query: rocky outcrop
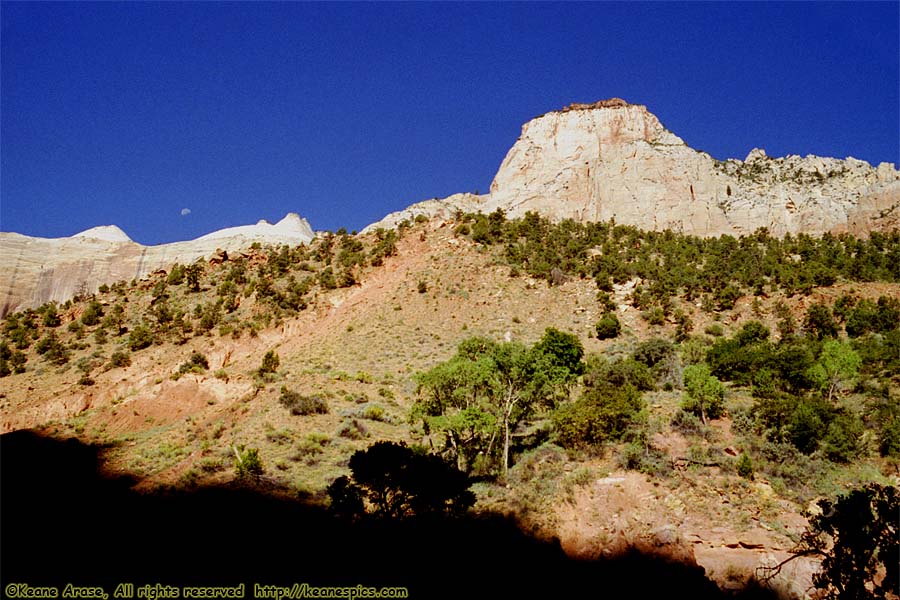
(615, 160)
(37, 270)
(435, 208)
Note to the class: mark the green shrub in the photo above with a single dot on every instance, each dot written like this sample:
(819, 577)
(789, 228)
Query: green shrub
(684, 326)
(92, 314)
(715, 330)
(247, 463)
(353, 429)
(726, 297)
(693, 351)
(85, 364)
(868, 316)
(705, 393)
(176, 275)
(373, 412)
(561, 350)
(653, 351)
(796, 471)
(738, 358)
(608, 326)
(196, 364)
(601, 373)
(686, 423)
(210, 315)
(51, 317)
(119, 359)
(52, 349)
(5, 354)
(326, 279)
(193, 273)
(140, 337)
(843, 438)
(751, 333)
(745, 466)
(17, 360)
(889, 439)
(317, 437)
(601, 414)
(654, 316)
(306, 450)
(644, 458)
(806, 425)
(398, 482)
(819, 322)
(270, 363)
(279, 437)
(302, 405)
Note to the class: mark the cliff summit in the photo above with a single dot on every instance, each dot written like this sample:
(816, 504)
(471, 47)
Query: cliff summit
(615, 160)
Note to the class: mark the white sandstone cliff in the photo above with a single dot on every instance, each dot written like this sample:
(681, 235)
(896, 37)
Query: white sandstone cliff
(37, 270)
(615, 160)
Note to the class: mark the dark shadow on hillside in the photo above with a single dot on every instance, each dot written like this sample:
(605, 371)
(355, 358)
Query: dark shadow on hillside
(62, 522)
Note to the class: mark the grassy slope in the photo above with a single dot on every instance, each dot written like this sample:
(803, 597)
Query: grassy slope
(360, 346)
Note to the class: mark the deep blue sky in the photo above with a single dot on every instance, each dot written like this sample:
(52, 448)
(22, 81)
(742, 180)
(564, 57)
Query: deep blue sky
(127, 113)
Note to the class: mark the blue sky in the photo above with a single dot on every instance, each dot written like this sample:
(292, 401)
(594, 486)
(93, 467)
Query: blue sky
(128, 113)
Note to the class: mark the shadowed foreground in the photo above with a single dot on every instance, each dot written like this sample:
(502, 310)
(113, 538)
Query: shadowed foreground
(63, 522)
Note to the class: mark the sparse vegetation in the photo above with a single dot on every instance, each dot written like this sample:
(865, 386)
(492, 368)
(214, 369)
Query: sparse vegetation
(119, 359)
(270, 363)
(353, 429)
(140, 337)
(196, 364)
(302, 405)
(608, 326)
(735, 327)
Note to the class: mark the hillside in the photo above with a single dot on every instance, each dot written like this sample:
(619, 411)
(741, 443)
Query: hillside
(606, 161)
(170, 381)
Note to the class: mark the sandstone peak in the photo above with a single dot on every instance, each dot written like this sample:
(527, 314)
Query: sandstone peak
(755, 154)
(293, 220)
(615, 160)
(289, 230)
(106, 233)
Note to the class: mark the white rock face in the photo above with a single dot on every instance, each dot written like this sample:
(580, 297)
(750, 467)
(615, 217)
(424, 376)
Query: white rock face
(288, 230)
(615, 160)
(37, 270)
(435, 208)
(109, 233)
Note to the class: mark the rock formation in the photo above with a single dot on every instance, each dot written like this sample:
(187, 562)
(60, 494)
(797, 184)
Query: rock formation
(37, 270)
(588, 162)
(615, 160)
